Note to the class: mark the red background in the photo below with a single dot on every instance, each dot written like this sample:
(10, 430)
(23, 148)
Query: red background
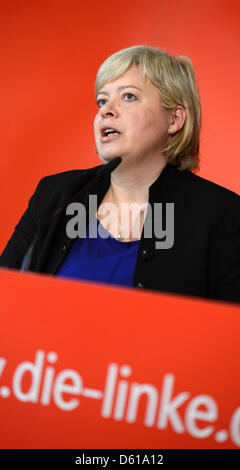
(50, 51)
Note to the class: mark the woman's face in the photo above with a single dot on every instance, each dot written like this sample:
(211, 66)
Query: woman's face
(130, 105)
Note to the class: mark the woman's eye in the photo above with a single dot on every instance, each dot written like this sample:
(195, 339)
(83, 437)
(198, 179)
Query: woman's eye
(129, 96)
(101, 102)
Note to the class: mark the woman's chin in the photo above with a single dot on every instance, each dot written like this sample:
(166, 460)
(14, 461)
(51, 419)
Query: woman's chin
(107, 158)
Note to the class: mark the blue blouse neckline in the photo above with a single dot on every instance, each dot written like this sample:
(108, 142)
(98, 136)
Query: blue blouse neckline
(114, 241)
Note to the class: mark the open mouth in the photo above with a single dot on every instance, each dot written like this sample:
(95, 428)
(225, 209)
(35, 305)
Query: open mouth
(108, 131)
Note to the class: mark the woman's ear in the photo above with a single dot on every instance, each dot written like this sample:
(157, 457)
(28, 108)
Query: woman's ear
(177, 120)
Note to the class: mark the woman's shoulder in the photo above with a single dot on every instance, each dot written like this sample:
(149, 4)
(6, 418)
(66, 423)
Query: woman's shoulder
(55, 184)
(68, 178)
(207, 191)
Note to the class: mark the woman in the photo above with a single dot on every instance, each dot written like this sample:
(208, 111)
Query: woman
(149, 115)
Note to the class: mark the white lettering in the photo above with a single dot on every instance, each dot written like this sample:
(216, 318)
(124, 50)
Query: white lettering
(109, 390)
(76, 227)
(121, 399)
(168, 408)
(47, 386)
(169, 232)
(123, 459)
(110, 219)
(86, 460)
(135, 392)
(192, 413)
(123, 385)
(35, 369)
(2, 364)
(92, 214)
(235, 427)
(60, 387)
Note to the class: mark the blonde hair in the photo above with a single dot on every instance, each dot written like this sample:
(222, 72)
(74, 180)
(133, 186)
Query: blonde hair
(175, 80)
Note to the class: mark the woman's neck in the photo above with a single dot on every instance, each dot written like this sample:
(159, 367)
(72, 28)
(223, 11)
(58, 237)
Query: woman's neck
(131, 184)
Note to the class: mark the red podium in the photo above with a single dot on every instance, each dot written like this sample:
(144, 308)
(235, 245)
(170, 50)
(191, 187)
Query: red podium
(87, 366)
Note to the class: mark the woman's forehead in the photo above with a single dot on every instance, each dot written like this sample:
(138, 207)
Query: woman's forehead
(132, 77)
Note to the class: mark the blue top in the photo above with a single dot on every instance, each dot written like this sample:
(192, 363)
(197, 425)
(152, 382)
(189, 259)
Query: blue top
(101, 259)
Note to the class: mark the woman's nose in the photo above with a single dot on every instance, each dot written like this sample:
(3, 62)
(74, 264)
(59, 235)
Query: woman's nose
(109, 109)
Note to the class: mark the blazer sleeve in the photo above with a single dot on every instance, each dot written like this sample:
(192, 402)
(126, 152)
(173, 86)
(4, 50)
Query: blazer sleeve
(228, 287)
(23, 235)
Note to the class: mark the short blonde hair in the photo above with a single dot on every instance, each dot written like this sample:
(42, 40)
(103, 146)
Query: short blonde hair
(175, 80)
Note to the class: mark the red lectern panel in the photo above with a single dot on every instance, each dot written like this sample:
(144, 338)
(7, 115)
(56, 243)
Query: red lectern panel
(89, 366)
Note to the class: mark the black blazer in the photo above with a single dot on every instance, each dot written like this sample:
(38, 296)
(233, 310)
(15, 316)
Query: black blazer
(204, 260)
